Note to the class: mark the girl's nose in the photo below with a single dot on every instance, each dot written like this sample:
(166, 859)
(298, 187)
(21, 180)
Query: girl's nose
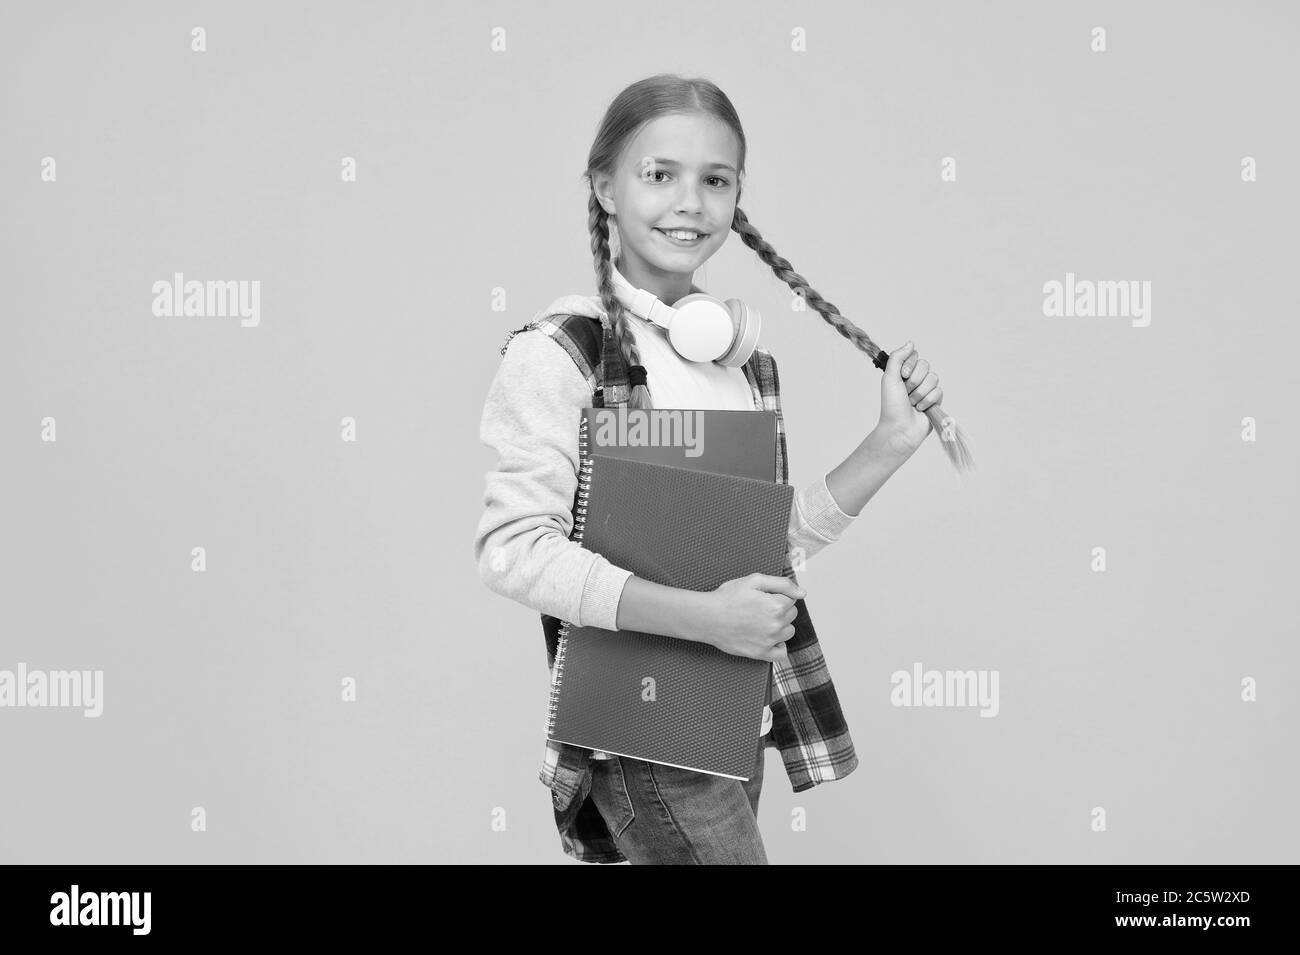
(688, 201)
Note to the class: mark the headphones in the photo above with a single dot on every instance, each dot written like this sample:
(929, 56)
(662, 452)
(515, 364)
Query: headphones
(699, 326)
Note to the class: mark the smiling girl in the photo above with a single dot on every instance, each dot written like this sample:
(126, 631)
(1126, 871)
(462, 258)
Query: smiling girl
(665, 175)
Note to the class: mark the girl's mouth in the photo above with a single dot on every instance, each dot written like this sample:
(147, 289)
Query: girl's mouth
(684, 243)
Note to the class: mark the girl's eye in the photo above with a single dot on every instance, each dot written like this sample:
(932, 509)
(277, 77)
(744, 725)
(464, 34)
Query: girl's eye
(722, 183)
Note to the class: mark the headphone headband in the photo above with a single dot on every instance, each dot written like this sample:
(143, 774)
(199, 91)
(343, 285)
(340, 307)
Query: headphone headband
(643, 304)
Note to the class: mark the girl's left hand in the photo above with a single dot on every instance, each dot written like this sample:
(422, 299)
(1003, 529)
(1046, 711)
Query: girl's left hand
(907, 389)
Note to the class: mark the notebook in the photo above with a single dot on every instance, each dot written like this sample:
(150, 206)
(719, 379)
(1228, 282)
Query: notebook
(678, 702)
(742, 443)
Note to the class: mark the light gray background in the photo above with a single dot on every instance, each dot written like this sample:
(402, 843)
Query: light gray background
(1118, 689)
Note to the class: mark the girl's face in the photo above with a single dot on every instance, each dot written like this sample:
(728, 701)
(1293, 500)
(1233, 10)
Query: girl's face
(679, 172)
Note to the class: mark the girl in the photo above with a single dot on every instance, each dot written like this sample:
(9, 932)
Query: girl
(669, 156)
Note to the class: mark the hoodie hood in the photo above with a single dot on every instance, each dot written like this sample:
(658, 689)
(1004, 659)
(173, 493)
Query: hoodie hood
(588, 305)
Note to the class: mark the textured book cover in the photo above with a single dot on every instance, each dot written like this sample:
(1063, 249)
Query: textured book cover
(658, 698)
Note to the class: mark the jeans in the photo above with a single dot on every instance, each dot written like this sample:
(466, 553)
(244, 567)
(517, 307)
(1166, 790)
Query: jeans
(662, 815)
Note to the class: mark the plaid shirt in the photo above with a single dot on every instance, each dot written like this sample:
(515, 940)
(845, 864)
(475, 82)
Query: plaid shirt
(807, 725)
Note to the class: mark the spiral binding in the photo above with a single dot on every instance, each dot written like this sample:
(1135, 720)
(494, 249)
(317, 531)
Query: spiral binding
(579, 527)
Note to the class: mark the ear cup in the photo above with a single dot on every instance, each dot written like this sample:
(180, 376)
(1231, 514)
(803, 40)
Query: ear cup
(703, 328)
(746, 324)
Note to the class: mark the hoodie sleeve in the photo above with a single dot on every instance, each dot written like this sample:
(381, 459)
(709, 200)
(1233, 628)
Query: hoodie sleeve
(815, 521)
(522, 547)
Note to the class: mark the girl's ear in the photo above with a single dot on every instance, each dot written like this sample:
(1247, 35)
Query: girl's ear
(600, 185)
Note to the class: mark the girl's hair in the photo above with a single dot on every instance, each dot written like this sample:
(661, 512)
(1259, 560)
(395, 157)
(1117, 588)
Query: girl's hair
(664, 94)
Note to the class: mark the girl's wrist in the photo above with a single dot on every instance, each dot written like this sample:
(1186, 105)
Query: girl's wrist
(853, 482)
(649, 607)
(889, 445)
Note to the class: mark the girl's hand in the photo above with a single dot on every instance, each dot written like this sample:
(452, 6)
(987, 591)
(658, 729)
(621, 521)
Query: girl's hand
(907, 389)
(752, 616)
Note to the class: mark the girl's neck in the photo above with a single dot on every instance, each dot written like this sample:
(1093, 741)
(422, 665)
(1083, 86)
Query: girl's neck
(669, 291)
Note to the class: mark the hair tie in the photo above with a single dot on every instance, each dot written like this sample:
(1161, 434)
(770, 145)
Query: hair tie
(881, 359)
(636, 375)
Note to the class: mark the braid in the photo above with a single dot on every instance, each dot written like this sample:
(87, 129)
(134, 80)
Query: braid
(598, 223)
(786, 273)
(953, 440)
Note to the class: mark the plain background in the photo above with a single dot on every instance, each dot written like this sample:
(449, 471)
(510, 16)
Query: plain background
(329, 559)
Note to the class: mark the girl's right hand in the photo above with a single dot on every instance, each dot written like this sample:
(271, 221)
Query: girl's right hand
(908, 389)
(752, 616)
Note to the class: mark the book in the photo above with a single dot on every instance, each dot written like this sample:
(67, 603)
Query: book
(647, 696)
(742, 443)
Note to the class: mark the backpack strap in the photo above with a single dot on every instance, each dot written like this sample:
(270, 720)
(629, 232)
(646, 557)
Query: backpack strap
(590, 343)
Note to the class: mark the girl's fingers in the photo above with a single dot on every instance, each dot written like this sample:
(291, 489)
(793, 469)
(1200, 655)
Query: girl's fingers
(916, 373)
(899, 355)
(922, 384)
(909, 355)
(932, 399)
(925, 390)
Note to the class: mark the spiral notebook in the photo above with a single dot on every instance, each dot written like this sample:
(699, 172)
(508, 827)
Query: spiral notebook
(678, 702)
(742, 443)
